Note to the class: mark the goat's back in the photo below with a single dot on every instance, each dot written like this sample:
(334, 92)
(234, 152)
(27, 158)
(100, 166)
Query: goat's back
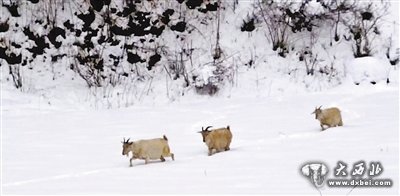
(219, 138)
(331, 116)
(153, 148)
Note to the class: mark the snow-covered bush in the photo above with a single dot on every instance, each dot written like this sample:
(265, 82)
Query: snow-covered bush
(363, 21)
(368, 70)
(125, 51)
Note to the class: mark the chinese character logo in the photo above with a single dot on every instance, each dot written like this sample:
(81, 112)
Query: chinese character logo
(358, 169)
(316, 172)
(375, 169)
(341, 169)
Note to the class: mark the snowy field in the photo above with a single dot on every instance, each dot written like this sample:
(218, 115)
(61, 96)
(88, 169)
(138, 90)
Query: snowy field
(50, 150)
(59, 137)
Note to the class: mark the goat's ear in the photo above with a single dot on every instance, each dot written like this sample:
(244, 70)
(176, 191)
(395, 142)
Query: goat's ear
(199, 131)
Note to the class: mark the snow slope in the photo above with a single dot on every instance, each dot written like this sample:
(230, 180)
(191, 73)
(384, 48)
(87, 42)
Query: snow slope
(61, 150)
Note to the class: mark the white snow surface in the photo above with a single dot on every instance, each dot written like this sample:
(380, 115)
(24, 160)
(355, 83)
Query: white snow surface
(58, 137)
(57, 149)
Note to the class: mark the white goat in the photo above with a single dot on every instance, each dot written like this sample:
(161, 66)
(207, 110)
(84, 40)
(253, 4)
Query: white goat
(147, 149)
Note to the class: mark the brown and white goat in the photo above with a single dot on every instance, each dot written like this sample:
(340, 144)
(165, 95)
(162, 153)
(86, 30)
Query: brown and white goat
(217, 139)
(147, 149)
(330, 117)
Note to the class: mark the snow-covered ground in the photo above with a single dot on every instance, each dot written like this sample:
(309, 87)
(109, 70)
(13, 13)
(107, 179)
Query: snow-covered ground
(60, 137)
(64, 150)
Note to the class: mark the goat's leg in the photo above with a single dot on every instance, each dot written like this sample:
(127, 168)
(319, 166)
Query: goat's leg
(130, 161)
(210, 151)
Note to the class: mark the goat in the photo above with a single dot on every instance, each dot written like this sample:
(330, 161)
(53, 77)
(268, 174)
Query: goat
(216, 139)
(147, 149)
(330, 117)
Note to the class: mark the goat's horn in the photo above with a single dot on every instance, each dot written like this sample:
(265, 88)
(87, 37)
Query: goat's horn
(207, 128)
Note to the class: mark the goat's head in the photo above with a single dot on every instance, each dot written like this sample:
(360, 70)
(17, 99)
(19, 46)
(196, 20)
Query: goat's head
(126, 147)
(205, 132)
(317, 112)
